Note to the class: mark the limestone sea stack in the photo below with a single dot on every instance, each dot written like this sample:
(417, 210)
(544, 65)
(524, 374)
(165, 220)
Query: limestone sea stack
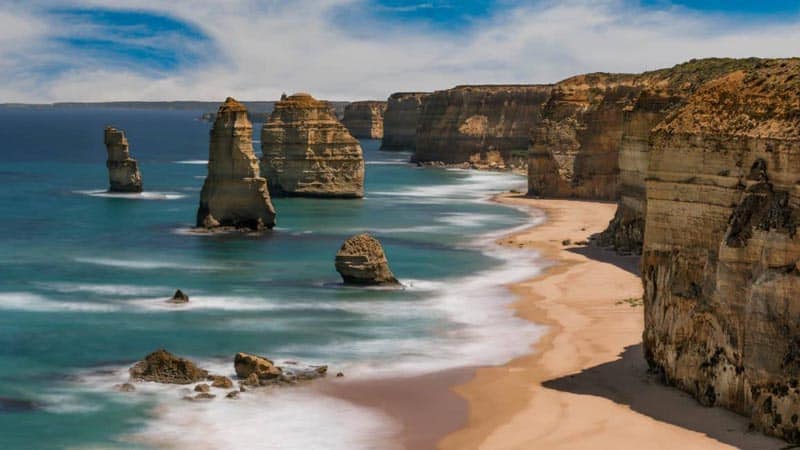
(123, 171)
(234, 194)
(400, 120)
(721, 258)
(308, 152)
(365, 119)
(361, 261)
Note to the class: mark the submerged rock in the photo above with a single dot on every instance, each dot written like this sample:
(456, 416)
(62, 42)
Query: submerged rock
(123, 171)
(361, 261)
(179, 297)
(125, 387)
(218, 381)
(308, 152)
(162, 366)
(234, 193)
(247, 365)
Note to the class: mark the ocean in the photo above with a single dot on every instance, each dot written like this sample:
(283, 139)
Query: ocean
(84, 276)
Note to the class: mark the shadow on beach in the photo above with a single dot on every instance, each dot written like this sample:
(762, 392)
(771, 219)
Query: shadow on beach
(628, 263)
(626, 381)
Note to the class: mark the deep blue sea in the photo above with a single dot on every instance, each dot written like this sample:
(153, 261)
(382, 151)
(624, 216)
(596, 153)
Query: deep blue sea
(84, 276)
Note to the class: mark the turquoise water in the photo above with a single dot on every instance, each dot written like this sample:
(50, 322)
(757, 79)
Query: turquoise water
(84, 275)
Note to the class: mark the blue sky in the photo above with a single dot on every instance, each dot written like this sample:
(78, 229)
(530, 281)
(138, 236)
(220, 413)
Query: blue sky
(147, 49)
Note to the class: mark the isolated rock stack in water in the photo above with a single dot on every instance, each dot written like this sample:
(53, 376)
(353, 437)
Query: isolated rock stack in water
(361, 261)
(400, 120)
(365, 119)
(721, 260)
(308, 152)
(123, 171)
(234, 193)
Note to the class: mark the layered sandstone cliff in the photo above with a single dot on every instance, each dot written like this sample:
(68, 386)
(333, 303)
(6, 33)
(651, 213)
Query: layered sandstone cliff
(308, 152)
(659, 93)
(574, 149)
(234, 193)
(400, 120)
(365, 119)
(475, 123)
(721, 260)
(123, 171)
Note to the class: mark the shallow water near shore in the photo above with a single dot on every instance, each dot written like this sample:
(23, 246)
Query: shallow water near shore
(84, 275)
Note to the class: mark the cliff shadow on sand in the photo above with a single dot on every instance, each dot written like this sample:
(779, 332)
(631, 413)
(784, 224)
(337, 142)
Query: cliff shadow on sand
(627, 381)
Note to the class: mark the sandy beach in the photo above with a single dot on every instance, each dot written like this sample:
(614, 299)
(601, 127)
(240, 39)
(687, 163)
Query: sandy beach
(585, 383)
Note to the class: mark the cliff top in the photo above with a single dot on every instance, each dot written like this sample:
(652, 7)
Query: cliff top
(498, 87)
(301, 100)
(231, 105)
(367, 103)
(762, 100)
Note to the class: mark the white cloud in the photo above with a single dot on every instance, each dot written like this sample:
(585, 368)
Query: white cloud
(265, 48)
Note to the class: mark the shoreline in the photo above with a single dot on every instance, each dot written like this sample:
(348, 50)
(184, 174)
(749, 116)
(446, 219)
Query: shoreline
(585, 383)
(582, 384)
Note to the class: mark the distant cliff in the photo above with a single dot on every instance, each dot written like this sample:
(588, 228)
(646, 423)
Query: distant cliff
(400, 120)
(365, 119)
(308, 152)
(721, 260)
(473, 122)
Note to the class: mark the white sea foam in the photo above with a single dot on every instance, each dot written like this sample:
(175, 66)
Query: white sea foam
(471, 186)
(147, 195)
(24, 301)
(279, 419)
(105, 289)
(193, 161)
(146, 265)
(399, 162)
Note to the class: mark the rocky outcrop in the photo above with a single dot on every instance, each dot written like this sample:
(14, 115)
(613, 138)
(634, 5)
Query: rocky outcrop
(179, 297)
(308, 152)
(234, 194)
(721, 252)
(365, 119)
(400, 120)
(361, 261)
(247, 364)
(468, 123)
(162, 366)
(123, 171)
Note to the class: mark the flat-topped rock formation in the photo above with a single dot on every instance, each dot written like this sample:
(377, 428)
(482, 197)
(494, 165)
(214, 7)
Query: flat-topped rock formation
(467, 123)
(123, 171)
(721, 255)
(400, 120)
(365, 119)
(361, 261)
(234, 194)
(308, 152)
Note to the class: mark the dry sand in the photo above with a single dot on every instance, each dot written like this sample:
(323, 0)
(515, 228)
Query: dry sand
(586, 383)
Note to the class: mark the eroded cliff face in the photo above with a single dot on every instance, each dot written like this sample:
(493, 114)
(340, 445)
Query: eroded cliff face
(234, 194)
(123, 171)
(721, 256)
(469, 123)
(400, 120)
(660, 93)
(574, 150)
(365, 119)
(306, 151)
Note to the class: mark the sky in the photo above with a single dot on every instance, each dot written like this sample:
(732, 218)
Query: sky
(105, 50)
